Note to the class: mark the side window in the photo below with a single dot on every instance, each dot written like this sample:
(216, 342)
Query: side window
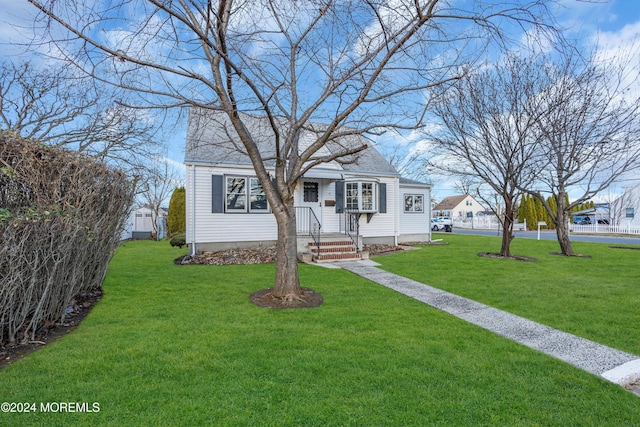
(413, 203)
(236, 194)
(351, 196)
(257, 198)
(367, 196)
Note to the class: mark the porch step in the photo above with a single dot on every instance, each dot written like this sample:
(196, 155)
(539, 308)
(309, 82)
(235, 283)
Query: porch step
(330, 251)
(336, 257)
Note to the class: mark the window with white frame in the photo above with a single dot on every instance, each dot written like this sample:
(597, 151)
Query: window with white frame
(630, 212)
(360, 196)
(413, 203)
(237, 193)
(236, 190)
(257, 198)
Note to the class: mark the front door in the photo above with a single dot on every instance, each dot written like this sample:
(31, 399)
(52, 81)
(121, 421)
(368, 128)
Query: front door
(310, 197)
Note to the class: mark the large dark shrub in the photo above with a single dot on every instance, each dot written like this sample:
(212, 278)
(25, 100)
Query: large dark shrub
(61, 215)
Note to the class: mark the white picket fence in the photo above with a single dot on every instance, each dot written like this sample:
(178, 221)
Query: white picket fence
(491, 223)
(607, 229)
(484, 223)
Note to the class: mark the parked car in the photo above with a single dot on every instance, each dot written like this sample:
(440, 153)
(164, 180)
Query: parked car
(582, 220)
(437, 224)
(441, 223)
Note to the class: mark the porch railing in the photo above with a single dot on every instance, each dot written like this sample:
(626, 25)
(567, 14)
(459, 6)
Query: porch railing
(350, 225)
(307, 224)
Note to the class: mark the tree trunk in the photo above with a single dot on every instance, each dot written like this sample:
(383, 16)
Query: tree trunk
(287, 285)
(562, 226)
(507, 228)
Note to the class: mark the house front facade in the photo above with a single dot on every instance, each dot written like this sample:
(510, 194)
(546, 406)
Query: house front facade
(458, 207)
(227, 208)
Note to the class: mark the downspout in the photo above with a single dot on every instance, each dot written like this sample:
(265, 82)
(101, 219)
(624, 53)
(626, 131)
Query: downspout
(429, 216)
(193, 210)
(398, 208)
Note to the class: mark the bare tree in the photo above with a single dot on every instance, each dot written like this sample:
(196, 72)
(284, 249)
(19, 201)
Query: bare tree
(487, 135)
(589, 127)
(354, 66)
(58, 106)
(155, 185)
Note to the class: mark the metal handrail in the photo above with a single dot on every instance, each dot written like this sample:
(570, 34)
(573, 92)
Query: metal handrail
(307, 223)
(351, 226)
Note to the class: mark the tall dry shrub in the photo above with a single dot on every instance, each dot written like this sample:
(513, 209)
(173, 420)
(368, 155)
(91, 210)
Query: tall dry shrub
(61, 215)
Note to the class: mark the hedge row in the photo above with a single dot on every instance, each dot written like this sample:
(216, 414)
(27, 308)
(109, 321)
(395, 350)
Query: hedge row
(61, 215)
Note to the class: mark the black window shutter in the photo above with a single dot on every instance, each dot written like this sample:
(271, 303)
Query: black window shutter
(217, 193)
(382, 198)
(339, 196)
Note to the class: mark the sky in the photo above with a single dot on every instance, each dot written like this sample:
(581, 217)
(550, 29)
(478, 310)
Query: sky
(611, 26)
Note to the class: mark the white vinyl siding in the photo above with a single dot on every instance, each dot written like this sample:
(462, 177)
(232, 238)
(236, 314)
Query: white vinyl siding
(222, 227)
(381, 224)
(412, 219)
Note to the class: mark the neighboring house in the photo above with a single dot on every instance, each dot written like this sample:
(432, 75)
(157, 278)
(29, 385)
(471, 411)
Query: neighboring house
(598, 214)
(625, 210)
(140, 224)
(227, 208)
(463, 206)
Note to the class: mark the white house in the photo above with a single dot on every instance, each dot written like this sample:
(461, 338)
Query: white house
(625, 210)
(461, 206)
(227, 208)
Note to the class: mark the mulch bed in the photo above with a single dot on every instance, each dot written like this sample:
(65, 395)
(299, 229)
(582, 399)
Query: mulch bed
(574, 255)
(308, 299)
(513, 257)
(263, 255)
(50, 331)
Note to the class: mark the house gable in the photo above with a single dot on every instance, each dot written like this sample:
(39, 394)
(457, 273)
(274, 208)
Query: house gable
(458, 206)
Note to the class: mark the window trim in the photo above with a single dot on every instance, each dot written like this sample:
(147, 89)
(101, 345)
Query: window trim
(413, 196)
(247, 209)
(250, 190)
(375, 191)
(227, 193)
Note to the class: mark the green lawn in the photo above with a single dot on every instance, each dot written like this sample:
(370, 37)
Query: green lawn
(182, 345)
(596, 298)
